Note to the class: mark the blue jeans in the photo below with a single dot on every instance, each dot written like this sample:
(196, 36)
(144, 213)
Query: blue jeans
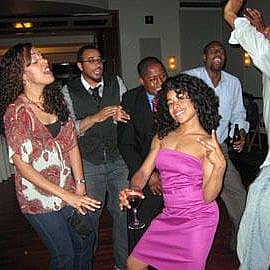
(110, 177)
(68, 250)
(253, 246)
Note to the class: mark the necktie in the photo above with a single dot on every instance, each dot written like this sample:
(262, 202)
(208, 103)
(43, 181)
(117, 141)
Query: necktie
(95, 94)
(154, 103)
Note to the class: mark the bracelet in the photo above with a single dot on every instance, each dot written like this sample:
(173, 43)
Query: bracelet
(80, 181)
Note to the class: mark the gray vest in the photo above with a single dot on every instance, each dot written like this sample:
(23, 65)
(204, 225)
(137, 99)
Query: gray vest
(99, 143)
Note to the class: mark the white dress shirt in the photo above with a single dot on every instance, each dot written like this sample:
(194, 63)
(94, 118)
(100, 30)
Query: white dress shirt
(231, 108)
(258, 47)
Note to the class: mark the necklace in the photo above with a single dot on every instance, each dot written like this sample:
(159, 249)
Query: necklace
(35, 103)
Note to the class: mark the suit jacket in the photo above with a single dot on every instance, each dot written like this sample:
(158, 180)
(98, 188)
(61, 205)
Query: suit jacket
(135, 136)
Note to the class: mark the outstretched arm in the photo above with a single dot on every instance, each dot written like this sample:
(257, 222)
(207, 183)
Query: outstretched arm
(141, 177)
(231, 9)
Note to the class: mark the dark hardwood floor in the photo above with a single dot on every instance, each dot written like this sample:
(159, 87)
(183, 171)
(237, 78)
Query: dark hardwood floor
(20, 247)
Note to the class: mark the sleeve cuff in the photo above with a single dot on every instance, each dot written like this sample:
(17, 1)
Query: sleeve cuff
(237, 24)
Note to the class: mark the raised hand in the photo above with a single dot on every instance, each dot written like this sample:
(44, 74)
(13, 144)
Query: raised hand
(121, 115)
(105, 113)
(255, 18)
(212, 151)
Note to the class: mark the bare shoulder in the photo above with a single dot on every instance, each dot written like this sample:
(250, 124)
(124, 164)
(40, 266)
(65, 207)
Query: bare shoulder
(156, 142)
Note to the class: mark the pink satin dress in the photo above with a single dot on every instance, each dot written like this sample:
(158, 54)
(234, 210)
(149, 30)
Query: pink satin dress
(181, 236)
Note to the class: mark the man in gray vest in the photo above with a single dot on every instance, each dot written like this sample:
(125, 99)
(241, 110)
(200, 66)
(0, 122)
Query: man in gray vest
(93, 100)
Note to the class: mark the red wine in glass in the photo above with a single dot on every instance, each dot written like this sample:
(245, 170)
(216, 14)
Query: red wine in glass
(134, 201)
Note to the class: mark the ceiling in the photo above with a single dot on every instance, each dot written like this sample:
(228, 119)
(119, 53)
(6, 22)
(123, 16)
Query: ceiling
(50, 18)
(26, 8)
(22, 9)
(202, 3)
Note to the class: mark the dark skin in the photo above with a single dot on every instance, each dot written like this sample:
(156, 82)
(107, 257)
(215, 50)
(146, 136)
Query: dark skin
(214, 60)
(152, 80)
(256, 19)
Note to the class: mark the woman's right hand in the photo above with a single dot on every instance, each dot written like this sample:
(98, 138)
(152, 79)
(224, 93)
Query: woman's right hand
(82, 202)
(123, 197)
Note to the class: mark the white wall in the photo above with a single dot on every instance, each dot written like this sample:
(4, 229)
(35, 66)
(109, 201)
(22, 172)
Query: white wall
(132, 28)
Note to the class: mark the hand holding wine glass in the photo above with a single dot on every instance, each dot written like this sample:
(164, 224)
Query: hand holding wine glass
(123, 197)
(131, 198)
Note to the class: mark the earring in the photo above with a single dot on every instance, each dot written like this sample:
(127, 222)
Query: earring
(26, 82)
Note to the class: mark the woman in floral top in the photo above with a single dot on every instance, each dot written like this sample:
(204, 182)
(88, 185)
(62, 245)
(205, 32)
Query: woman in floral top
(43, 147)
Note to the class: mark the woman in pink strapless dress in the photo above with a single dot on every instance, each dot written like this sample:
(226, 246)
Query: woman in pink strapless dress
(191, 166)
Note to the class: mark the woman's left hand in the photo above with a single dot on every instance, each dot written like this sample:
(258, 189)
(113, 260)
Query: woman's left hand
(213, 151)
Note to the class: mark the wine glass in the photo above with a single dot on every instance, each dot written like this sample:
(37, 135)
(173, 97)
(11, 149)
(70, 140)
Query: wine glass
(134, 200)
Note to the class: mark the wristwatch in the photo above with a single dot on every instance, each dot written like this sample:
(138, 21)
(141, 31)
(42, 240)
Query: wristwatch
(80, 181)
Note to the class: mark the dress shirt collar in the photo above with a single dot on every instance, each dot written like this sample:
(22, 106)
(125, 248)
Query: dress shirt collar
(150, 99)
(87, 86)
(149, 96)
(206, 76)
(240, 20)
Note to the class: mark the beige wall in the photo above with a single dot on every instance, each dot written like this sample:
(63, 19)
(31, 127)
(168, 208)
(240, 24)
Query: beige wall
(132, 28)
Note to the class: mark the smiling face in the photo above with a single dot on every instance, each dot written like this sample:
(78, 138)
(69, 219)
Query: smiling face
(180, 107)
(214, 57)
(37, 72)
(91, 66)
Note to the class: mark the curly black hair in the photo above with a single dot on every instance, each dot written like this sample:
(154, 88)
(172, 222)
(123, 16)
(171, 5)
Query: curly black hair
(201, 95)
(12, 67)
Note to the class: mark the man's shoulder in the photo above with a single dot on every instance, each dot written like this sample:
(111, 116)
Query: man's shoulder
(134, 92)
(134, 96)
(110, 76)
(76, 81)
(229, 76)
(194, 71)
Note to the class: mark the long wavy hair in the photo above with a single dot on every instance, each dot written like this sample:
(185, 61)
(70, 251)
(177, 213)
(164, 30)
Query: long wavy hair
(12, 67)
(202, 97)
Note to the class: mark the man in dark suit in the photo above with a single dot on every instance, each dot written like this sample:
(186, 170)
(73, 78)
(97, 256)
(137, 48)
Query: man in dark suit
(135, 136)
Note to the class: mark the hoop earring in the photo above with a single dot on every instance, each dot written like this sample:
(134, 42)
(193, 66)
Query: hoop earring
(26, 83)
